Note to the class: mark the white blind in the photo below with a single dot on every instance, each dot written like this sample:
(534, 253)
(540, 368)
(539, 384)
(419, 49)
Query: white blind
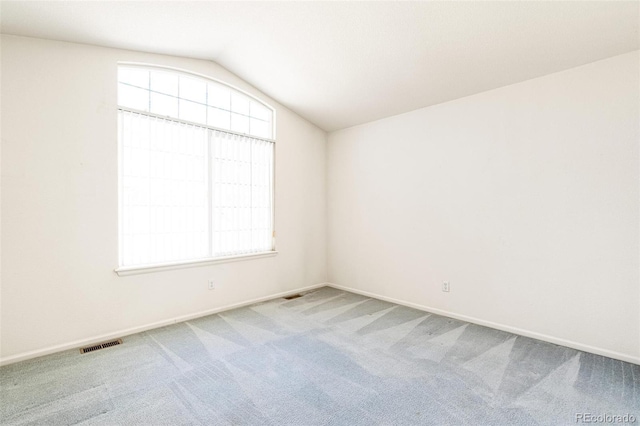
(189, 192)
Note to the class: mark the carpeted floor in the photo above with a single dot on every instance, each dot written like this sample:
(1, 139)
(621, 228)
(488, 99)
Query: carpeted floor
(327, 358)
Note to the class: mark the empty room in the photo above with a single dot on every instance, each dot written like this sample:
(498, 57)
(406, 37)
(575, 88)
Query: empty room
(319, 213)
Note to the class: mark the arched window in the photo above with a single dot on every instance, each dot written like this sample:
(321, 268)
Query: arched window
(190, 98)
(196, 169)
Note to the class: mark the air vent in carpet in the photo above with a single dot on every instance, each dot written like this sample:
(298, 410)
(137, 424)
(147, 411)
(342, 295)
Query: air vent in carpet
(100, 346)
(293, 296)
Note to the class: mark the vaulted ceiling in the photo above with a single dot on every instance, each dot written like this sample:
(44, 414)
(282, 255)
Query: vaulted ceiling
(339, 64)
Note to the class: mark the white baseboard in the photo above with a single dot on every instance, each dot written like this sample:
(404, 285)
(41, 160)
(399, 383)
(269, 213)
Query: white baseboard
(92, 340)
(133, 330)
(514, 330)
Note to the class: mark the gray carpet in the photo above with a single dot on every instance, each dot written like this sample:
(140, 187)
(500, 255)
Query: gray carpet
(327, 358)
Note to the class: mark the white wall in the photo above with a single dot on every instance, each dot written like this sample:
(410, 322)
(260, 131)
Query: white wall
(60, 204)
(525, 198)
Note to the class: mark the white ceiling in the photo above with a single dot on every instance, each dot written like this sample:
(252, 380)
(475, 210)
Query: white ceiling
(339, 64)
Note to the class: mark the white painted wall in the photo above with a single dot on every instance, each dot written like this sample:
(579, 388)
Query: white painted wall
(525, 198)
(60, 204)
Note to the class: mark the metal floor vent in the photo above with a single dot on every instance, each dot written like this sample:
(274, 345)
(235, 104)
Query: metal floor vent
(101, 346)
(293, 296)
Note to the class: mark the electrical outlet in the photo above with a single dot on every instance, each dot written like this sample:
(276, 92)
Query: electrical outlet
(445, 286)
(212, 285)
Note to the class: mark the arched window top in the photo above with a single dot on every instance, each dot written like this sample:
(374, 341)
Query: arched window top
(191, 98)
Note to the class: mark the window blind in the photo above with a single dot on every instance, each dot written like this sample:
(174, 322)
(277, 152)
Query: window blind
(189, 192)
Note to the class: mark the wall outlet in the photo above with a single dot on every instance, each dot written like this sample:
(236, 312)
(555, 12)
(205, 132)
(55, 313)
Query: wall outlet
(445, 286)
(212, 285)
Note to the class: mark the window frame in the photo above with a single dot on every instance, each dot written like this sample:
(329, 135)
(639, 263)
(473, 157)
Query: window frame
(146, 268)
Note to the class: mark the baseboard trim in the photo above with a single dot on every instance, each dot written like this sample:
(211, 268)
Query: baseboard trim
(133, 330)
(490, 324)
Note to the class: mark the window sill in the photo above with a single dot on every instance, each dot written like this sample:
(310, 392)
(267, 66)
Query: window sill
(145, 269)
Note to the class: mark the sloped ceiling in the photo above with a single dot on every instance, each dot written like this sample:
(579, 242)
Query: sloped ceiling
(339, 64)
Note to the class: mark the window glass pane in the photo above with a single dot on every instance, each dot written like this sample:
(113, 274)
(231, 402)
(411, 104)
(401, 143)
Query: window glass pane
(239, 103)
(257, 110)
(259, 128)
(193, 89)
(240, 180)
(219, 118)
(261, 176)
(164, 105)
(132, 97)
(219, 96)
(192, 111)
(134, 76)
(165, 194)
(239, 123)
(164, 82)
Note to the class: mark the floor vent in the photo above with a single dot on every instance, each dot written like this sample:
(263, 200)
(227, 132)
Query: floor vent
(101, 346)
(293, 296)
